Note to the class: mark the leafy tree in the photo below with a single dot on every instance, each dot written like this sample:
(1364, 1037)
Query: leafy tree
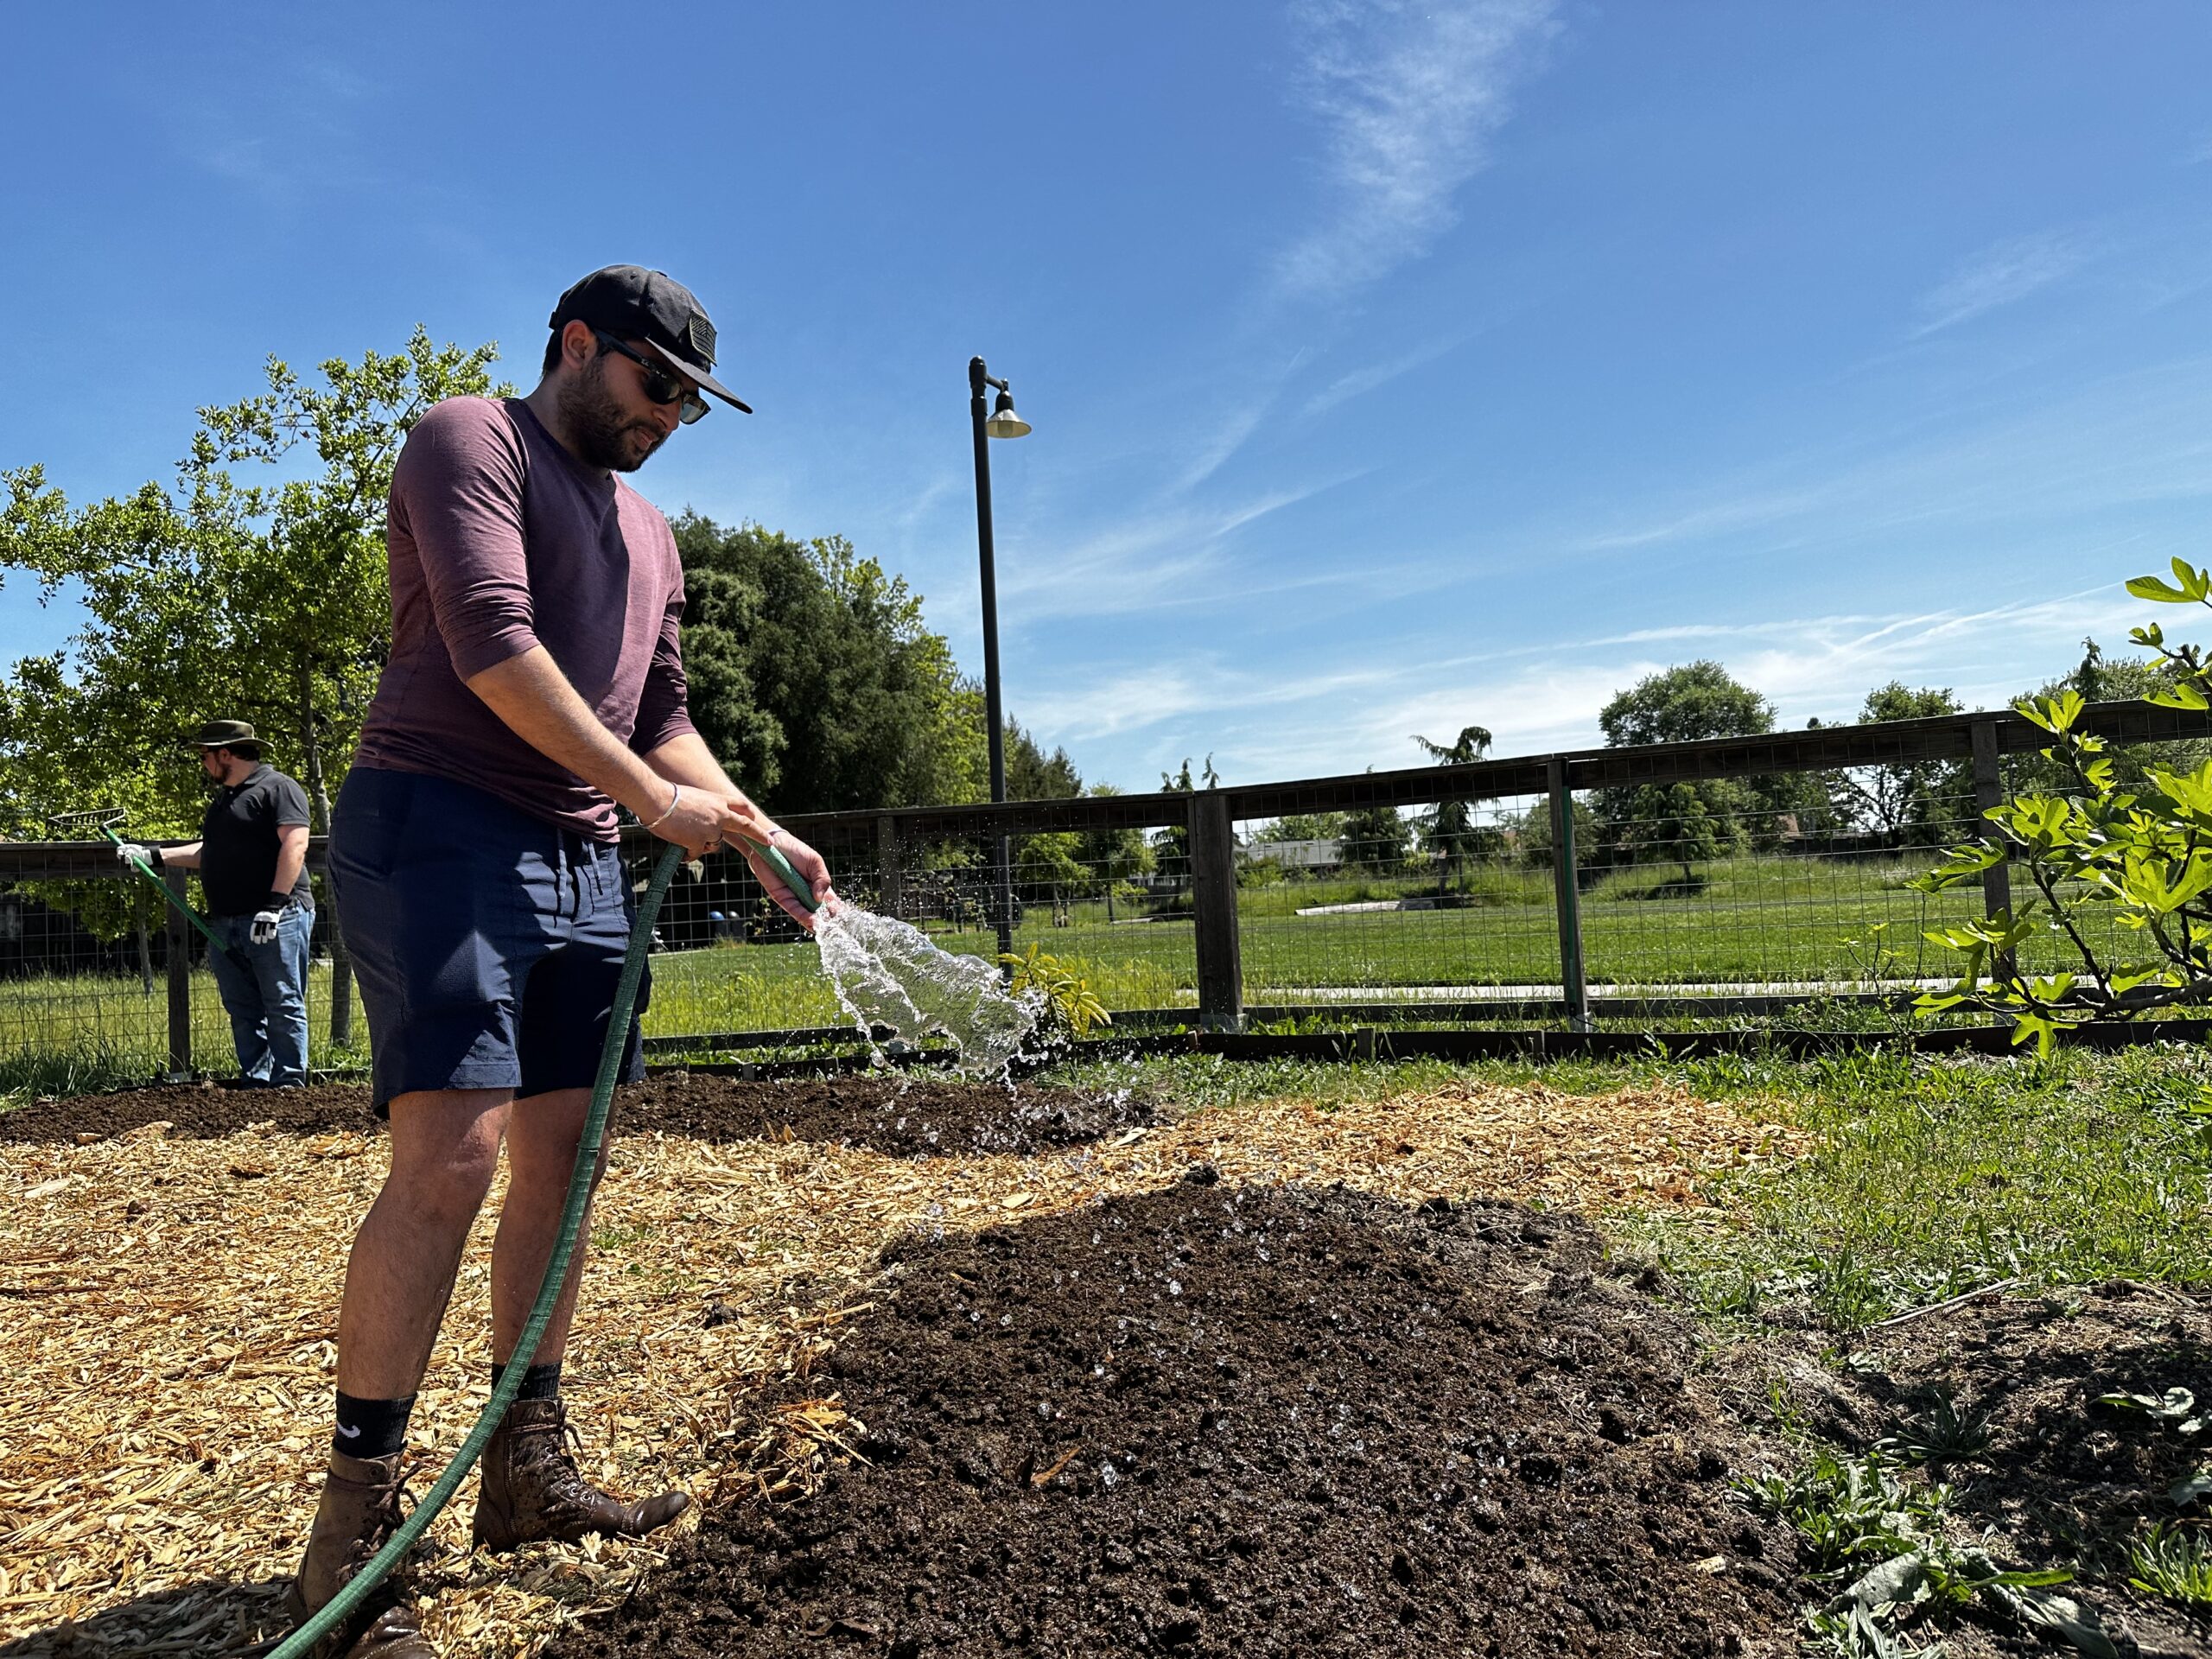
(2100, 678)
(1302, 826)
(1171, 846)
(1032, 775)
(1114, 856)
(1913, 804)
(1533, 835)
(1047, 865)
(816, 679)
(1448, 828)
(1670, 823)
(813, 676)
(1377, 838)
(2122, 876)
(1685, 704)
(265, 600)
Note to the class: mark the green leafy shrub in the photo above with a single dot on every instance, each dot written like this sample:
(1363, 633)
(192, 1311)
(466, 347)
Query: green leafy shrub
(2122, 875)
(1070, 1004)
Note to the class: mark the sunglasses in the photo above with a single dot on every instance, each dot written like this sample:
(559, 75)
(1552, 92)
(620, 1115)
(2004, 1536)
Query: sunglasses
(660, 386)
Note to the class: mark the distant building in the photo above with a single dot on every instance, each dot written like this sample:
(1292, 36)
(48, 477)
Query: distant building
(1297, 857)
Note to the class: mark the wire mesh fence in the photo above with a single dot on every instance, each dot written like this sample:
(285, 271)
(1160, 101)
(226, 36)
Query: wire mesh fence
(1453, 901)
(97, 974)
(1609, 884)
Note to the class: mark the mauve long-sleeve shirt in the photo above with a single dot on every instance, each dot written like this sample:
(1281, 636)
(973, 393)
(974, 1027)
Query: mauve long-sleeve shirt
(501, 540)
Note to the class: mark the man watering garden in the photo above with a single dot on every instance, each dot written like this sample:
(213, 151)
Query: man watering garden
(535, 686)
(252, 856)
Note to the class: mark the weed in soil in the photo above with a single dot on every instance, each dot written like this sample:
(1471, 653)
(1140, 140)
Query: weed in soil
(1215, 1420)
(902, 1116)
(2059, 1432)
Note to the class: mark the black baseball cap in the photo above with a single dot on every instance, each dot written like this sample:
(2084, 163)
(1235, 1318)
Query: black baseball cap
(651, 306)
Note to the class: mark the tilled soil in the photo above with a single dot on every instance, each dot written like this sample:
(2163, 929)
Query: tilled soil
(1221, 1420)
(2064, 1480)
(908, 1115)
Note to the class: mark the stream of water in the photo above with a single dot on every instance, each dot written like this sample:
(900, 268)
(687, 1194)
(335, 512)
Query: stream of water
(886, 972)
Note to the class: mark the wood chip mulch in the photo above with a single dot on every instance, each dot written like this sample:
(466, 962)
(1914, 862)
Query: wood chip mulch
(167, 1310)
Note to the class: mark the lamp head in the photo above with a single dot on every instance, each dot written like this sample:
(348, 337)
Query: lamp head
(1004, 423)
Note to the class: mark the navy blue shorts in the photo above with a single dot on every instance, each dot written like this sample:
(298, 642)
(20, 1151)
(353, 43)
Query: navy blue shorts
(487, 943)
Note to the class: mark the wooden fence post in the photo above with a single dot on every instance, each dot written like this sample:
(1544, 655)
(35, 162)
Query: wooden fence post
(180, 953)
(1988, 791)
(1213, 907)
(1566, 896)
(888, 871)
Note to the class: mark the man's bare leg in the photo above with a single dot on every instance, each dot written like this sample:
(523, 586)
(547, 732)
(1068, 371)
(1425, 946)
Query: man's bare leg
(543, 1134)
(445, 1150)
(531, 1487)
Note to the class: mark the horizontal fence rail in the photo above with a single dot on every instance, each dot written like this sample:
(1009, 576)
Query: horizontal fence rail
(1573, 887)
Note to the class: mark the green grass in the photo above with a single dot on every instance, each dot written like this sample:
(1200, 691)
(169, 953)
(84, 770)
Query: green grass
(68, 1033)
(1935, 1177)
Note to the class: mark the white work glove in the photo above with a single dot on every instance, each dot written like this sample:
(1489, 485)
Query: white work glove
(264, 930)
(130, 854)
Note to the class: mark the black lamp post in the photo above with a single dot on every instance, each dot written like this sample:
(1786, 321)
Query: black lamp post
(1001, 422)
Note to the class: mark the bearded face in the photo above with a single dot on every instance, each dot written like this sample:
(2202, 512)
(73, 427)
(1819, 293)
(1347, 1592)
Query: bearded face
(603, 432)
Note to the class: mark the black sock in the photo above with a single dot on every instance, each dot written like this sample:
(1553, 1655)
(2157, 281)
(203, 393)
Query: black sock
(370, 1428)
(538, 1383)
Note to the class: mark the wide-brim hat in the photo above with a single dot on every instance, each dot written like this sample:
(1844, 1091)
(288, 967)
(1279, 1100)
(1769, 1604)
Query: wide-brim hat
(223, 735)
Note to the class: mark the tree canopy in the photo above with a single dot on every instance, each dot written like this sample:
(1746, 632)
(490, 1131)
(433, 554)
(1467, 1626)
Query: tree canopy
(1684, 824)
(1913, 804)
(263, 599)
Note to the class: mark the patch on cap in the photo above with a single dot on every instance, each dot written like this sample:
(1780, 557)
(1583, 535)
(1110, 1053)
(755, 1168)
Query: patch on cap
(701, 332)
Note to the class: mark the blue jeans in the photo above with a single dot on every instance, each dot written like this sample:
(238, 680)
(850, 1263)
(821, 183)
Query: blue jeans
(266, 999)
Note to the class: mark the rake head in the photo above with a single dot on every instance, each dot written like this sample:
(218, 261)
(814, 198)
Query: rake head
(87, 825)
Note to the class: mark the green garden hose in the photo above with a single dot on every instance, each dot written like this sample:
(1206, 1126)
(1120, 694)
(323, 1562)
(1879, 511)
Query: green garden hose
(341, 1606)
(799, 889)
(182, 909)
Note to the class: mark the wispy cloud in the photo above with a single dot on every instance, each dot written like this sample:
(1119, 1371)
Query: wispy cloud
(297, 134)
(1409, 96)
(1363, 380)
(1140, 562)
(2000, 274)
(1714, 519)
(1545, 697)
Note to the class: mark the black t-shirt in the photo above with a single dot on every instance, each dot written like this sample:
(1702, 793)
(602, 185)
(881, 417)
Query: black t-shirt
(237, 842)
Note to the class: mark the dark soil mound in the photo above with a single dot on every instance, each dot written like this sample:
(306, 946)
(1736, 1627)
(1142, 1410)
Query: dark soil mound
(913, 1115)
(1243, 1422)
(194, 1112)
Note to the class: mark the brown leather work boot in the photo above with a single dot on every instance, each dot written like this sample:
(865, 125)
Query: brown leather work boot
(358, 1512)
(532, 1488)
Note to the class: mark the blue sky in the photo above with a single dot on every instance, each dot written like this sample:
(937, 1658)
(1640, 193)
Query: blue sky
(1392, 367)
